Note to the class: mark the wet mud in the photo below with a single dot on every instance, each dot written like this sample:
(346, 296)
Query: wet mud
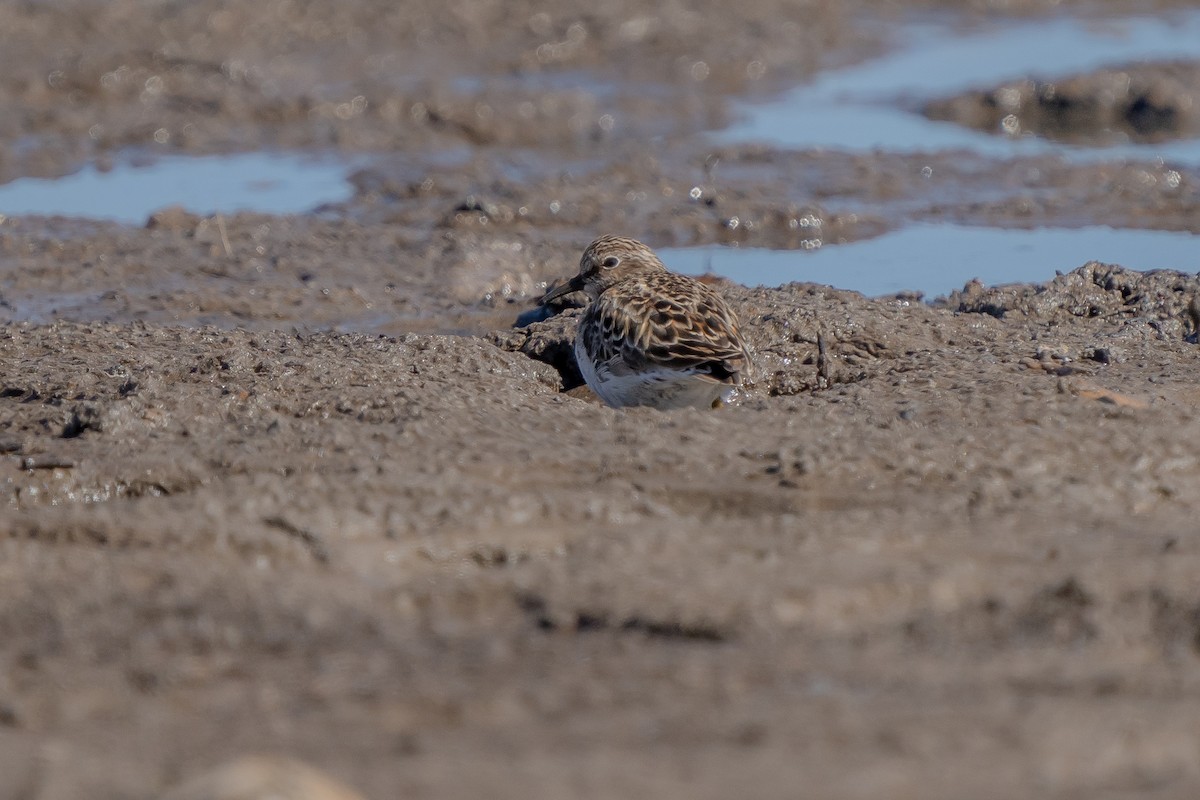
(297, 496)
(1139, 103)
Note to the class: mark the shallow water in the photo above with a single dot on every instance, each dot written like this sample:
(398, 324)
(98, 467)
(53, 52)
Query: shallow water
(868, 106)
(270, 183)
(937, 259)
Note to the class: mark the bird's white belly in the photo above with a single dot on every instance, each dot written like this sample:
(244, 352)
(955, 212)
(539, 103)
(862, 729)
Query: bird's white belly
(660, 388)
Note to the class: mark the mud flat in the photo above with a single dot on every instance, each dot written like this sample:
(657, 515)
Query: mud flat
(294, 488)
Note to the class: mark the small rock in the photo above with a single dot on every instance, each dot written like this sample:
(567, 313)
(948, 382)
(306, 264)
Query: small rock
(1089, 391)
(173, 218)
(262, 778)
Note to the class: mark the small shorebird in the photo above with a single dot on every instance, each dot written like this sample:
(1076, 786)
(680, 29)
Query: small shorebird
(652, 337)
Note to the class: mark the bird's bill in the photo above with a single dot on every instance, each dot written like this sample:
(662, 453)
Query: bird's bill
(573, 285)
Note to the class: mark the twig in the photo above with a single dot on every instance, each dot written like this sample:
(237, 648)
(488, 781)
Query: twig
(224, 236)
(312, 541)
(822, 361)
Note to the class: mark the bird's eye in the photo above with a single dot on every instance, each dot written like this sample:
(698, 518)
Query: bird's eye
(610, 262)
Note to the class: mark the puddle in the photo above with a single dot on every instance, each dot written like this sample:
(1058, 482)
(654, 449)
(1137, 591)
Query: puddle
(535, 82)
(267, 183)
(937, 259)
(865, 107)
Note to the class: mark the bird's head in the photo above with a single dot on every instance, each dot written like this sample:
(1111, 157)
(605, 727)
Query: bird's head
(606, 262)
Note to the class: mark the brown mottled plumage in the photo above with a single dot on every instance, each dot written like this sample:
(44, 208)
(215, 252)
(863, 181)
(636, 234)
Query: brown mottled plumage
(652, 337)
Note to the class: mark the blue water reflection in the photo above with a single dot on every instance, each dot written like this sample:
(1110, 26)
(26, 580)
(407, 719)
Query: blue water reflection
(864, 107)
(263, 182)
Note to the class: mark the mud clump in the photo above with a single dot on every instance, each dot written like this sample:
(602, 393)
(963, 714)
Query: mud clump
(1138, 102)
(1164, 302)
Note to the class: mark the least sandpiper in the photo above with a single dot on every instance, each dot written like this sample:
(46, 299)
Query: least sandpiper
(651, 337)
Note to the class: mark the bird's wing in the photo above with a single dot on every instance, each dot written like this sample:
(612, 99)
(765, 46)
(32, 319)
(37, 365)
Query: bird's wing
(666, 322)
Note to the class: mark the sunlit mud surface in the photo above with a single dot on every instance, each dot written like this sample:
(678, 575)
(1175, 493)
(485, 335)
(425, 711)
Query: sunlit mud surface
(280, 474)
